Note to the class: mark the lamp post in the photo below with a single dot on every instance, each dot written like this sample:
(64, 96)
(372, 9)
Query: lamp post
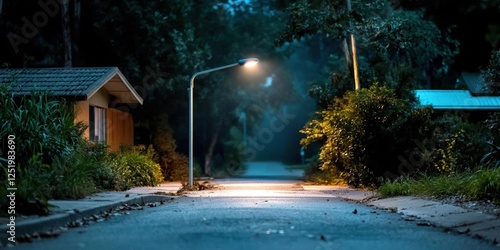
(242, 62)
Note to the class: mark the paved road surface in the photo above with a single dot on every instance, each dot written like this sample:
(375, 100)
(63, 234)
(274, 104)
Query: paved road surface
(246, 214)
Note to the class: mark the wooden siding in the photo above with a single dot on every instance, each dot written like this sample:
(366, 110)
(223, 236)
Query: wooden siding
(120, 129)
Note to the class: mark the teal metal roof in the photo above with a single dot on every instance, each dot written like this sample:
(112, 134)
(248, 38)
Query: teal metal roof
(456, 99)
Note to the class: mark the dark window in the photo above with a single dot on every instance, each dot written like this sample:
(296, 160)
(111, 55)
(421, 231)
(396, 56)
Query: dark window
(97, 126)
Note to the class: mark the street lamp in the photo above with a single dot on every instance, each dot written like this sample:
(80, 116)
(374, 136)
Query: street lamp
(242, 62)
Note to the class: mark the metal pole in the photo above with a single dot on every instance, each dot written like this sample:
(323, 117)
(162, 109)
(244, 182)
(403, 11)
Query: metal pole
(244, 127)
(191, 111)
(353, 48)
(190, 182)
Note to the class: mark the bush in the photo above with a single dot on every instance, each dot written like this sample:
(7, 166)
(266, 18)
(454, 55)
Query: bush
(42, 125)
(72, 177)
(174, 166)
(313, 173)
(458, 145)
(44, 131)
(30, 195)
(54, 161)
(491, 76)
(86, 171)
(136, 168)
(363, 133)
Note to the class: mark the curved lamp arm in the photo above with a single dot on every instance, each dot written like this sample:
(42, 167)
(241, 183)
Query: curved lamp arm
(242, 62)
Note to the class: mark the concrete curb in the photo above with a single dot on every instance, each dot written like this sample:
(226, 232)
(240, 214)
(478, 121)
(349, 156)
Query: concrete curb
(450, 218)
(57, 220)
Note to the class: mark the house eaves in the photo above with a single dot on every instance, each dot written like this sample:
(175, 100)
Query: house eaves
(78, 83)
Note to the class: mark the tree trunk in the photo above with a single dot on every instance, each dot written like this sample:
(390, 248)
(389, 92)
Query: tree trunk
(66, 33)
(347, 54)
(76, 31)
(211, 147)
(1, 9)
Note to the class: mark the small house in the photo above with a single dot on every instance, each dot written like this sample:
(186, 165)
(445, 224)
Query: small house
(98, 92)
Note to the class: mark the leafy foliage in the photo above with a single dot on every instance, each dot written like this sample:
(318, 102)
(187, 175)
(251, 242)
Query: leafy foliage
(457, 145)
(397, 46)
(44, 131)
(315, 174)
(86, 171)
(43, 125)
(136, 168)
(491, 75)
(174, 165)
(54, 161)
(362, 134)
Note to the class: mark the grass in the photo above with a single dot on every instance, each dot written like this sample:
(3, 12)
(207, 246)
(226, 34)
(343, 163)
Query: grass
(482, 184)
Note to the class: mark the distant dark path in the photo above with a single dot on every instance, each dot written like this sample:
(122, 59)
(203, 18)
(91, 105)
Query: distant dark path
(269, 171)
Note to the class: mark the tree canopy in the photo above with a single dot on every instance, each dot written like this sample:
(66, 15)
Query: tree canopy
(395, 45)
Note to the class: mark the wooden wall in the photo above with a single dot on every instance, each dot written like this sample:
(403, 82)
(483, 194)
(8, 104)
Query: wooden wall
(120, 128)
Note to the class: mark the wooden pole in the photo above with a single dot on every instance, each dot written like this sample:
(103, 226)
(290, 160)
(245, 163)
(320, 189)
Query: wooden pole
(353, 49)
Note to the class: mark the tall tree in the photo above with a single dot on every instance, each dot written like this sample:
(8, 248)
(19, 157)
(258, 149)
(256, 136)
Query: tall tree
(66, 33)
(243, 29)
(396, 46)
(475, 24)
(165, 43)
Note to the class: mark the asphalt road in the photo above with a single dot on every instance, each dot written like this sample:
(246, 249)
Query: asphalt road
(251, 214)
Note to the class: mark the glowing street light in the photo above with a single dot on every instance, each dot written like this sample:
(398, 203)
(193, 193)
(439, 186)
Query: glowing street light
(242, 62)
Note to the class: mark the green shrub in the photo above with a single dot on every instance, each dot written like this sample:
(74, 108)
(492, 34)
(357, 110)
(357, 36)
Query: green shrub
(491, 76)
(363, 133)
(31, 187)
(174, 166)
(459, 145)
(72, 177)
(87, 170)
(492, 158)
(103, 175)
(44, 131)
(136, 168)
(42, 125)
(313, 173)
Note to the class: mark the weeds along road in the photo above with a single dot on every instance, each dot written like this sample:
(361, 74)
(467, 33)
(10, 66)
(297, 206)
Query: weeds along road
(248, 213)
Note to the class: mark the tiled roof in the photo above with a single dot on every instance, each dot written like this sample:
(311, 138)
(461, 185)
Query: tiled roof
(67, 82)
(457, 99)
